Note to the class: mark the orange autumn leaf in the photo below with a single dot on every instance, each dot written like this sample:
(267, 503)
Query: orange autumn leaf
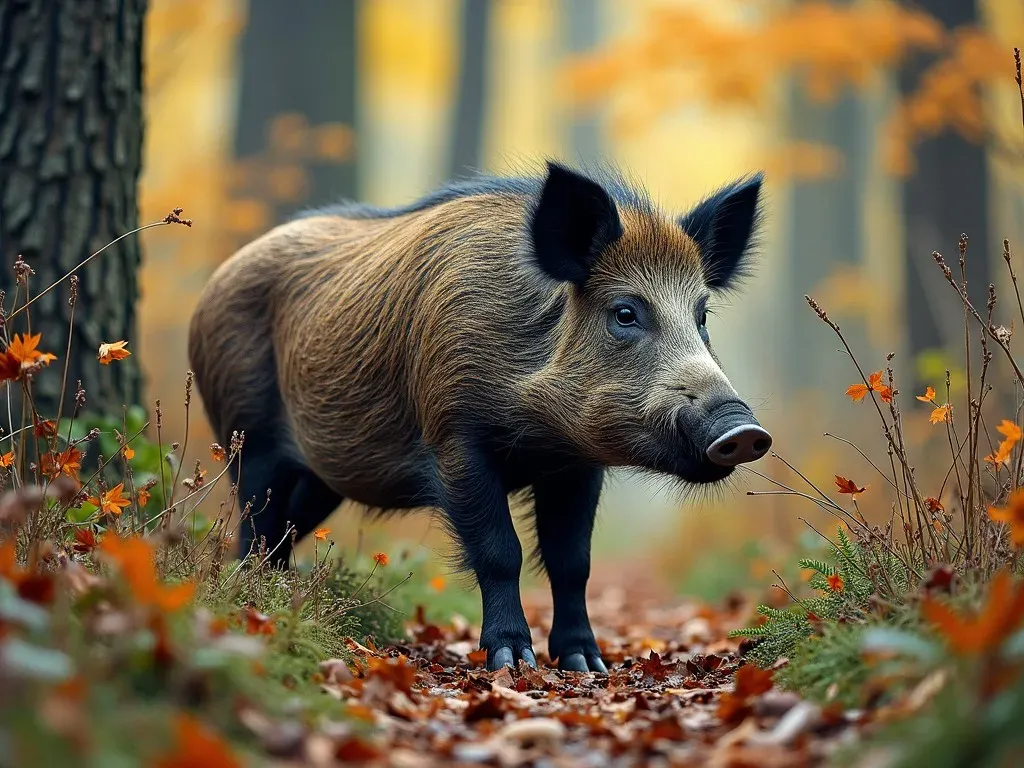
(321, 534)
(835, 582)
(46, 428)
(197, 746)
(113, 350)
(928, 396)
(933, 504)
(1012, 435)
(135, 560)
(381, 559)
(1001, 616)
(7, 459)
(217, 452)
(856, 392)
(940, 414)
(1013, 515)
(1010, 431)
(848, 486)
(111, 502)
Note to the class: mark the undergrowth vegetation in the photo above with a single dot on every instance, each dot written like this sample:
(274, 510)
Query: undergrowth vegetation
(124, 609)
(919, 599)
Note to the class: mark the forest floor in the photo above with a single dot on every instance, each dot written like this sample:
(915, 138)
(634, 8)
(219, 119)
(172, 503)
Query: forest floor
(676, 694)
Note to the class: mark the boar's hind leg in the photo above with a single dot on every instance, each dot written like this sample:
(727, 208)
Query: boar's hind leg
(565, 504)
(297, 497)
(476, 507)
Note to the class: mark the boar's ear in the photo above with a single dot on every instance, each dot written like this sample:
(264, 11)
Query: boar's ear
(575, 219)
(723, 226)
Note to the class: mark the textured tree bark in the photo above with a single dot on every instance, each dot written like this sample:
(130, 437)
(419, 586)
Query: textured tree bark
(71, 127)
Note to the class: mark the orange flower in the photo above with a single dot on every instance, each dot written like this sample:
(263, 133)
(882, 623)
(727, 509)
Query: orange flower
(112, 501)
(134, 558)
(113, 350)
(933, 504)
(848, 486)
(928, 396)
(23, 351)
(67, 462)
(380, 559)
(940, 414)
(217, 452)
(7, 459)
(437, 583)
(320, 534)
(1001, 616)
(195, 746)
(1013, 515)
(129, 452)
(835, 582)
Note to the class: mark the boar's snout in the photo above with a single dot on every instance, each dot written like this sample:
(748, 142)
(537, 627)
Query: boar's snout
(734, 436)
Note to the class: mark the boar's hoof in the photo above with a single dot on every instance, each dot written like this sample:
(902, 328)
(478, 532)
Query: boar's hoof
(577, 662)
(504, 657)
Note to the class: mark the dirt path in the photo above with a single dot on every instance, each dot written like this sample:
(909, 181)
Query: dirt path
(673, 695)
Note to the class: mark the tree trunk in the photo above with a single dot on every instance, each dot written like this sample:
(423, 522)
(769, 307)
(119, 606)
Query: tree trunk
(299, 59)
(947, 195)
(70, 155)
(468, 120)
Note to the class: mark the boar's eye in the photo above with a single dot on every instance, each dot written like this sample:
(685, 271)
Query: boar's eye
(625, 315)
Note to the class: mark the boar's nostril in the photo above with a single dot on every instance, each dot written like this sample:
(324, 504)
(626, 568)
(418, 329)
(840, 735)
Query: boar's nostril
(739, 445)
(727, 448)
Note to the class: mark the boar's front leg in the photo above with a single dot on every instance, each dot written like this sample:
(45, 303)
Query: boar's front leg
(565, 505)
(476, 506)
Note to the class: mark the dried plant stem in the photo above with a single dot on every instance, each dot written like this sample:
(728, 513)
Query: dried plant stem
(84, 262)
(1002, 344)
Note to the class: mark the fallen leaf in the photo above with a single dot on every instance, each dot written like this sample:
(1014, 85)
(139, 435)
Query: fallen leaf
(1000, 616)
(197, 745)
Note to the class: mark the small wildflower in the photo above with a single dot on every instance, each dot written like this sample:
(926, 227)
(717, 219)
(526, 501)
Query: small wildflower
(940, 414)
(835, 582)
(112, 501)
(380, 559)
(321, 534)
(7, 459)
(928, 396)
(217, 452)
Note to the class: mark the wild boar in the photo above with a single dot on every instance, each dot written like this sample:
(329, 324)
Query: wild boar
(499, 335)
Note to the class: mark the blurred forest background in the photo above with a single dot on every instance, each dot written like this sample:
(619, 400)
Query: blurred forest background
(886, 130)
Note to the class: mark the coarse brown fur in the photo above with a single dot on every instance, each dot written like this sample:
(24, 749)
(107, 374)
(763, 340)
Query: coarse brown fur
(386, 357)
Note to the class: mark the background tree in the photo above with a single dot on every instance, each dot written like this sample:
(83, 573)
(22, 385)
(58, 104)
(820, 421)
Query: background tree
(71, 129)
(470, 101)
(296, 109)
